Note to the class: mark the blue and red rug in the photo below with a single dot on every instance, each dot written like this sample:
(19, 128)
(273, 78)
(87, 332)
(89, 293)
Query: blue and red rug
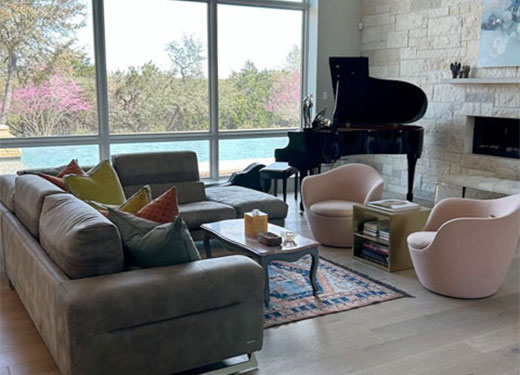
(340, 289)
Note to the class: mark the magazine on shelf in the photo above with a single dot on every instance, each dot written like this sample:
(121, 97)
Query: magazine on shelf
(394, 205)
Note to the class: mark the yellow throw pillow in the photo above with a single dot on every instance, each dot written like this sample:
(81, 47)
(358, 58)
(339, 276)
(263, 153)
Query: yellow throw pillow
(131, 205)
(101, 184)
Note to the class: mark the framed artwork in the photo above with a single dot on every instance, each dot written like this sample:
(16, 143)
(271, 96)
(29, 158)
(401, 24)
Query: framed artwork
(500, 33)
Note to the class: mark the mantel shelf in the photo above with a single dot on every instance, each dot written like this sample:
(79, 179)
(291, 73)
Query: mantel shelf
(483, 81)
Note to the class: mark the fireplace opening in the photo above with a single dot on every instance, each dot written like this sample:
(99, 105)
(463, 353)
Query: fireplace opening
(497, 137)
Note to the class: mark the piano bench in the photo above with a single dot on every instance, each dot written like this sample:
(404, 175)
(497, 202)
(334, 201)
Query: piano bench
(279, 171)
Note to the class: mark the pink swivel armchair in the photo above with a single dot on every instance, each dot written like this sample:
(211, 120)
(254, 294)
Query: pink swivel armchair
(467, 245)
(328, 199)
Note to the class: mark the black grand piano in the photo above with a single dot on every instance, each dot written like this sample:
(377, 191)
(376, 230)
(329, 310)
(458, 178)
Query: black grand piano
(368, 119)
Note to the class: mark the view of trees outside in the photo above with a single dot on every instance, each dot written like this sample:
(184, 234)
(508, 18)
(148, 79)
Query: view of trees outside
(47, 73)
(260, 84)
(47, 80)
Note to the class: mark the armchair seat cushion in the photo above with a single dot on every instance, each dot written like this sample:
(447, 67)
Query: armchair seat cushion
(332, 208)
(420, 240)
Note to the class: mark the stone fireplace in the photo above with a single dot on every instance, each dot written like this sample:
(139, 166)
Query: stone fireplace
(496, 136)
(415, 41)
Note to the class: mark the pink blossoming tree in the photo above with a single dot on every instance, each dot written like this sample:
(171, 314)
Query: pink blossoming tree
(284, 99)
(49, 108)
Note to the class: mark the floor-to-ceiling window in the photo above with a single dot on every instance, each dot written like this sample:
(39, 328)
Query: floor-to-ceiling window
(85, 79)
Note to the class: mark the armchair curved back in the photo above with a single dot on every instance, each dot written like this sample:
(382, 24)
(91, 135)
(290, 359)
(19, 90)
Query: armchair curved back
(351, 182)
(473, 247)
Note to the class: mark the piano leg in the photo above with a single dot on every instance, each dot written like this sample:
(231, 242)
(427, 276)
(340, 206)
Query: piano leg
(412, 161)
(303, 174)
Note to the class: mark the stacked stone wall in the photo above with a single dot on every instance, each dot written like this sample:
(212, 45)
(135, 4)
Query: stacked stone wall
(415, 41)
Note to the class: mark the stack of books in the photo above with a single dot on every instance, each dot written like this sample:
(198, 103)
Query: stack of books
(393, 205)
(384, 230)
(375, 253)
(370, 228)
(378, 229)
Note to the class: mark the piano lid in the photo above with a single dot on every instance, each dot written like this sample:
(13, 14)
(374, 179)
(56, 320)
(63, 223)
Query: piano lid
(360, 99)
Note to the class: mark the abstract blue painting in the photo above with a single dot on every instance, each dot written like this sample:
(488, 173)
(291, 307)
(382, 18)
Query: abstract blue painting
(500, 33)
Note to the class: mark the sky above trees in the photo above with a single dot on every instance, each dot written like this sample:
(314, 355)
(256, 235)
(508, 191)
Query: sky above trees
(47, 76)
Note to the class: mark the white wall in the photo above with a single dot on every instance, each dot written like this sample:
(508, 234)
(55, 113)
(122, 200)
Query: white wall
(338, 35)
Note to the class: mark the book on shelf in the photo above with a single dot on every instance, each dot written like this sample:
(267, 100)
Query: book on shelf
(374, 248)
(378, 229)
(374, 257)
(394, 205)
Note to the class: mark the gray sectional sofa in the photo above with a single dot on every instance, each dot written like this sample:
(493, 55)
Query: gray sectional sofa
(65, 261)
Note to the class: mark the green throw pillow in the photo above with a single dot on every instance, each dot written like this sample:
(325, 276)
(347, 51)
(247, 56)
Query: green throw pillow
(154, 245)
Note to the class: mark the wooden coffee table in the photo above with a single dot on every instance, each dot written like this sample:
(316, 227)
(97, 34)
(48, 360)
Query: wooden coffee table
(230, 233)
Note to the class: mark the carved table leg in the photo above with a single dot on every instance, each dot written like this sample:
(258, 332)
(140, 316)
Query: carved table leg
(207, 247)
(264, 263)
(314, 269)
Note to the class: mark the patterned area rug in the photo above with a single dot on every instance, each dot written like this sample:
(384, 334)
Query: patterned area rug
(340, 289)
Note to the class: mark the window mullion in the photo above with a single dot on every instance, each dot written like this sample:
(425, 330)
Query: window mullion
(213, 88)
(101, 78)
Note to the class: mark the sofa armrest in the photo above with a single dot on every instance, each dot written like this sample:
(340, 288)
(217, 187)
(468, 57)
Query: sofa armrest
(146, 296)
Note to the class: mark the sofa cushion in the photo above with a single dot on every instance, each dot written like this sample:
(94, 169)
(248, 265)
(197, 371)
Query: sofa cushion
(333, 208)
(29, 193)
(197, 213)
(71, 168)
(101, 184)
(162, 209)
(187, 192)
(7, 190)
(78, 238)
(244, 200)
(161, 170)
(154, 245)
(133, 204)
(421, 240)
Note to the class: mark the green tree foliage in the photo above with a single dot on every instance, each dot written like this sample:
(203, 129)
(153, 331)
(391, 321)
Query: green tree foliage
(37, 43)
(186, 56)
(147, 99)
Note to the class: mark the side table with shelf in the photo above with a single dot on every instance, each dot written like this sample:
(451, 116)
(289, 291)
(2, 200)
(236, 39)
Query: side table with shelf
(402, 224)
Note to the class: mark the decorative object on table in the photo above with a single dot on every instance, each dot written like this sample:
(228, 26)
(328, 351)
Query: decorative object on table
(289, 237)
(308, 103)
(330, 196)
(255, 222)
(500, 33)
(393, 205)
(340, 289)
(320, 121)
(464, 71)
(455, 69)
(466, 247)
(380, 236)
(279, 171)
(269, 239)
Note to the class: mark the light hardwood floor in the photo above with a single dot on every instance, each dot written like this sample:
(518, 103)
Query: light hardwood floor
(425, 335)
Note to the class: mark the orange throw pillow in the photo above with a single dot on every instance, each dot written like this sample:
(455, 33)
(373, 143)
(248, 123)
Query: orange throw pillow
(71, 168)
(162, 209)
